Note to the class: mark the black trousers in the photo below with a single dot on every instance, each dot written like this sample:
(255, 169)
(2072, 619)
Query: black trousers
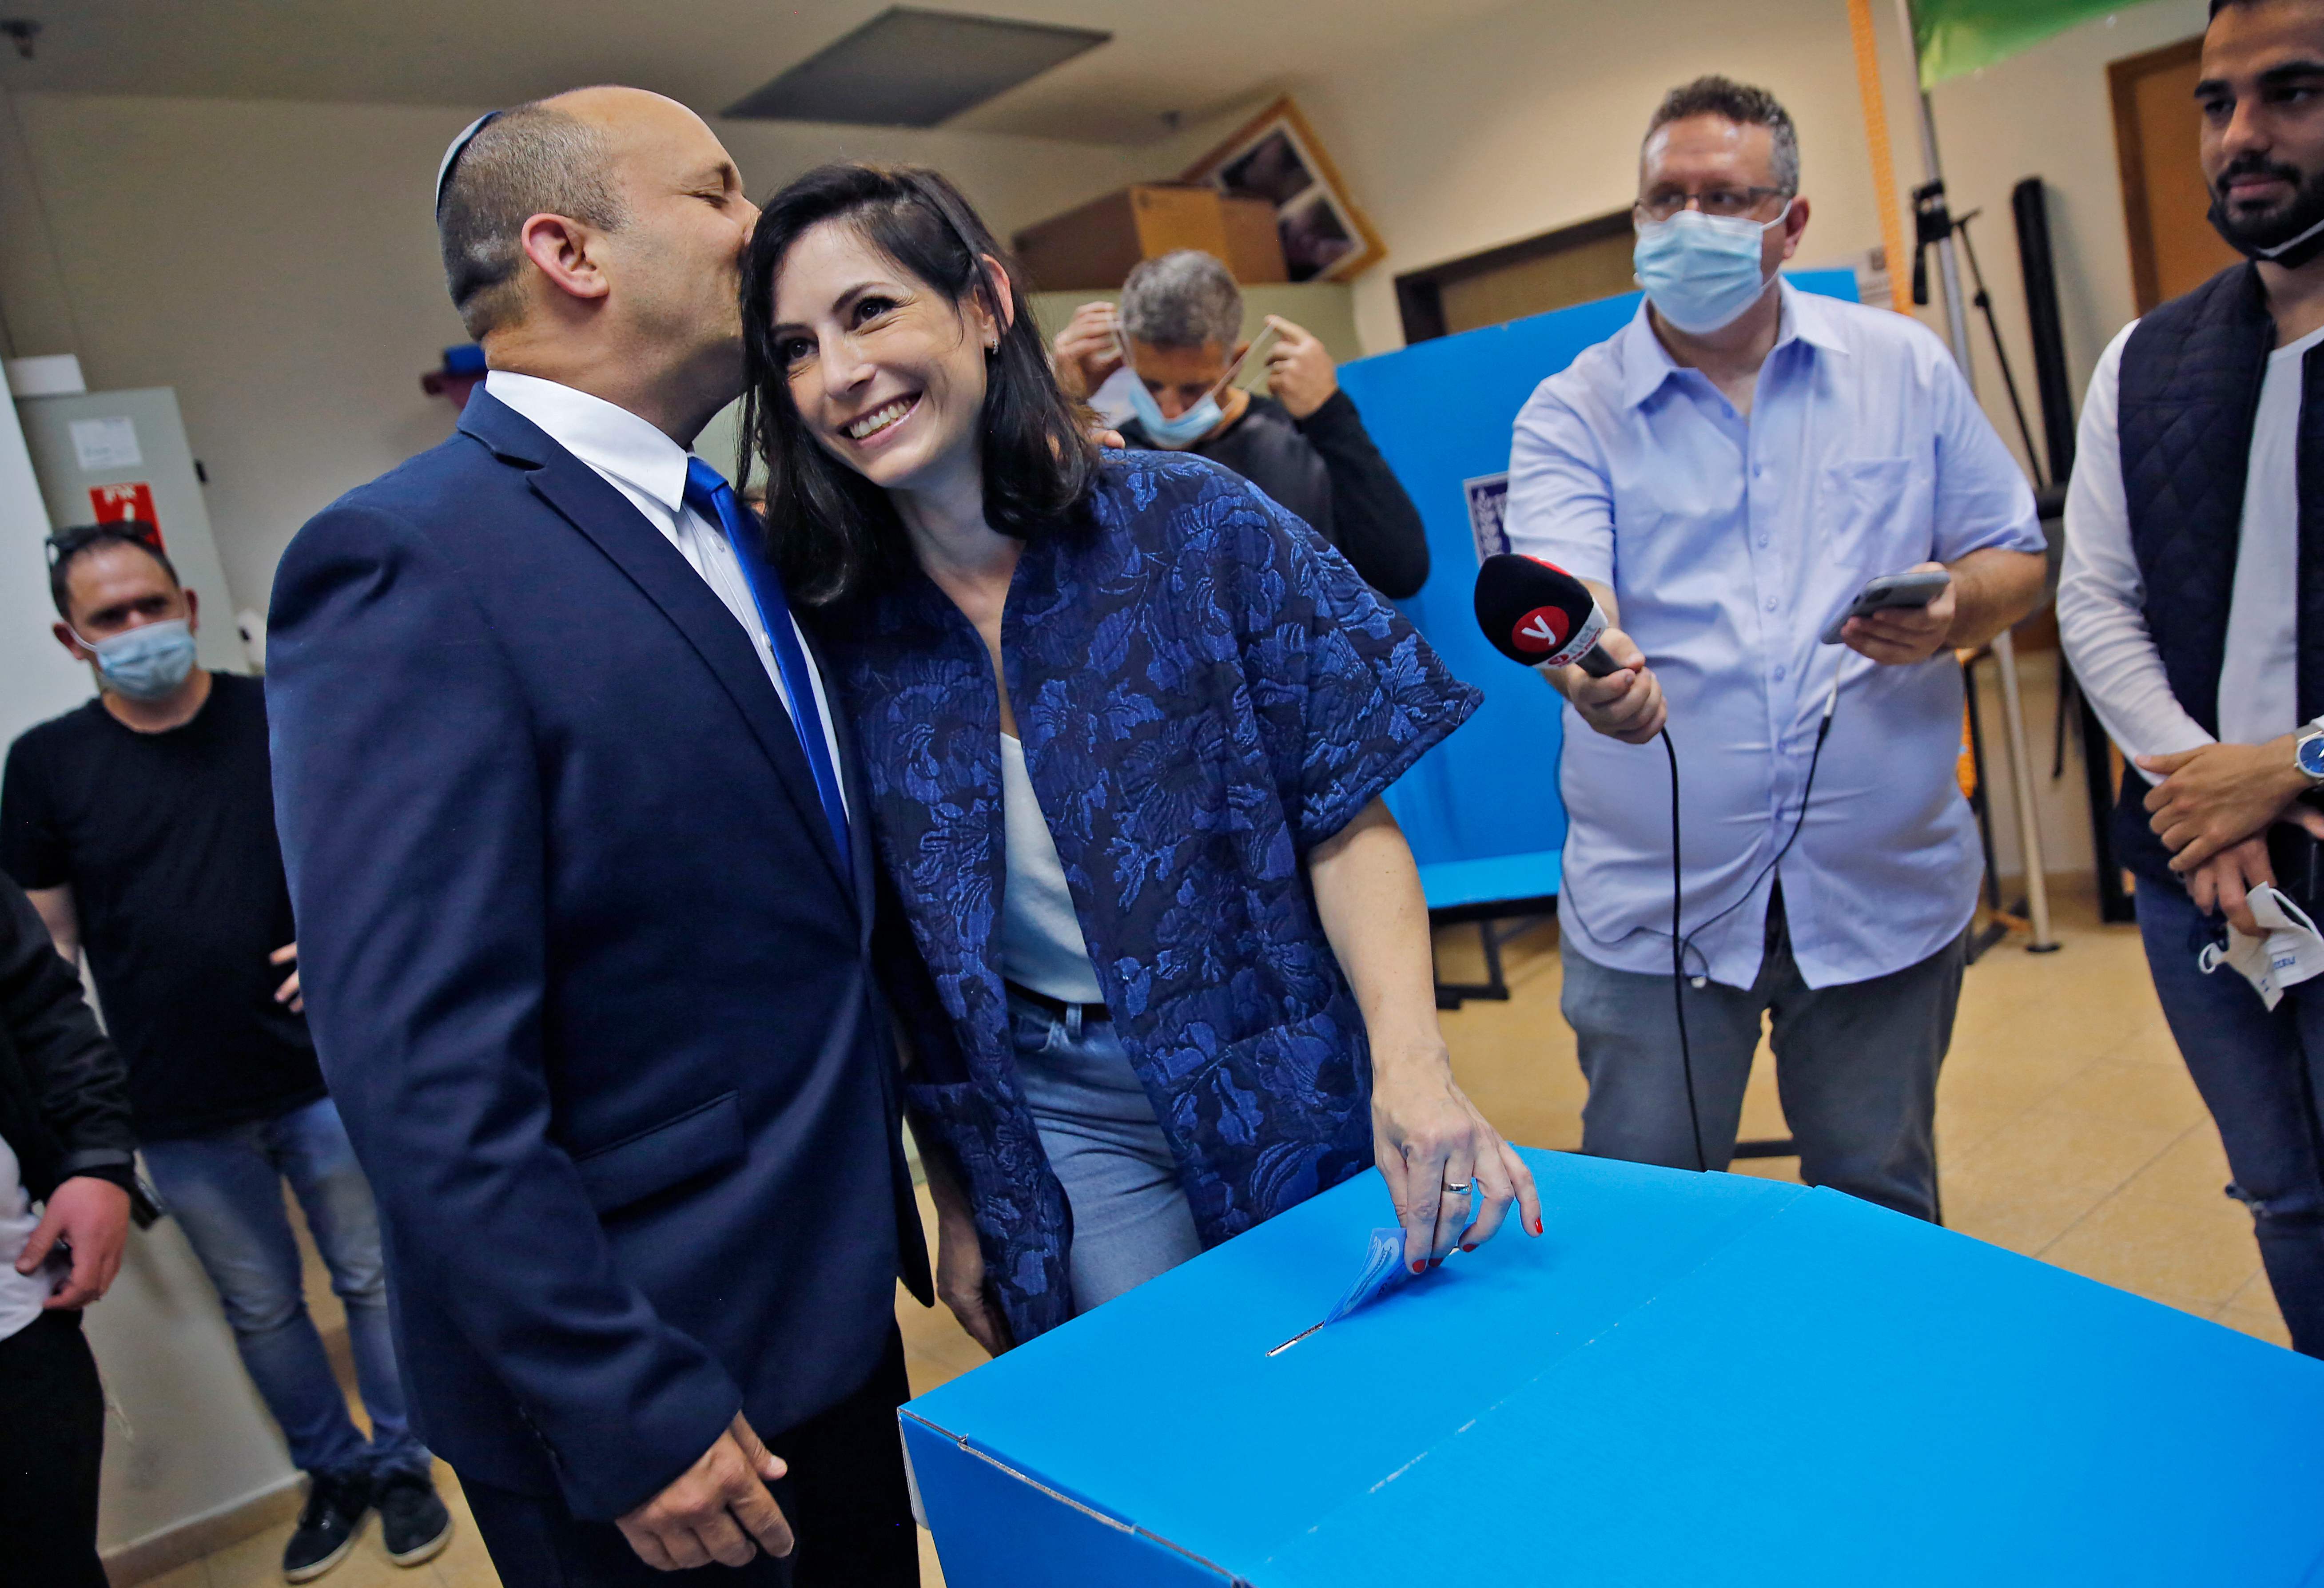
(845, 1498)
(52, 1443)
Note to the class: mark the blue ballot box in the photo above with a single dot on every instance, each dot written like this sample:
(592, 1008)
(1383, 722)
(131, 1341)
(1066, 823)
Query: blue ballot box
(1689, 1378)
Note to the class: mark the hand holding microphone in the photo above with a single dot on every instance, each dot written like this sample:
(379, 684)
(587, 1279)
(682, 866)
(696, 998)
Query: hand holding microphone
(1538, 614)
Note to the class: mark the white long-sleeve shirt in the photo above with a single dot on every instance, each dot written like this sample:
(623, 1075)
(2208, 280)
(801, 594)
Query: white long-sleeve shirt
(2101, 598)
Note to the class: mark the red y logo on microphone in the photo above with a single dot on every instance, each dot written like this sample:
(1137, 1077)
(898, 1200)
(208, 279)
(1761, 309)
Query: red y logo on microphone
(1541, 631)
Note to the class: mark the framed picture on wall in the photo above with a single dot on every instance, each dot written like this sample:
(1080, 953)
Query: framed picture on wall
(1275, 156)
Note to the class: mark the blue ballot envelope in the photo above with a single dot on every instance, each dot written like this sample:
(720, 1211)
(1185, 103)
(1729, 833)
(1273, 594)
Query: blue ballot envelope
(1691, 1378)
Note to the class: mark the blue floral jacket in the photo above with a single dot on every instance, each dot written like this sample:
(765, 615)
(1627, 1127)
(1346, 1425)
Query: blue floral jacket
(1205, 691)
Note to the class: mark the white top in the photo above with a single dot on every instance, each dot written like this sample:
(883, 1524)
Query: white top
(21, 1295)
(2101, 600)
(1731, 544)
(649, 469)
(1041, 941)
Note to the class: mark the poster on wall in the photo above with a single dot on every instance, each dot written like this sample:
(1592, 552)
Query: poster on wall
(106, 443)
(131, 500)
(1488, 505)
(1274, 157)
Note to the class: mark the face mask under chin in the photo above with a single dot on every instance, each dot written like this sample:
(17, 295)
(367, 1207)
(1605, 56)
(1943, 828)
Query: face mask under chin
(2292, 240)
(1199, 419)
(1179, 434)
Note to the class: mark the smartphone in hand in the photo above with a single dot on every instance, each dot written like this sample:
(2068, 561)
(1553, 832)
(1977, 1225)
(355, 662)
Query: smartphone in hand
(1889, 591)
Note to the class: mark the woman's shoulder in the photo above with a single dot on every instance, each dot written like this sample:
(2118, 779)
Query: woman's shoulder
(1176, 503)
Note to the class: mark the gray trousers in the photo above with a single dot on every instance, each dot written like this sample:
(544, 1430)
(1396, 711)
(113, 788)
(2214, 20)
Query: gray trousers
(1856, 1065)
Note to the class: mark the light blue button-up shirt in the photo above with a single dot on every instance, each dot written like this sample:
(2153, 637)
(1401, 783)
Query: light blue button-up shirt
(1731, 543)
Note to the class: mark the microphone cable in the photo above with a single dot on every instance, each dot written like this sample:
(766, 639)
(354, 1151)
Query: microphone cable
(1680, 945)
(1678, 958)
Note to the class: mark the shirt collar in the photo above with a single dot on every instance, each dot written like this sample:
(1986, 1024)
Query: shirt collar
(610, 439)
(1647, 364)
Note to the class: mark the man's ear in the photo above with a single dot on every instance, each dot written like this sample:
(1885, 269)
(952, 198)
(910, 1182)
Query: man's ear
(193, 610)
(564, 251)
(71, 642)
(1795, 226)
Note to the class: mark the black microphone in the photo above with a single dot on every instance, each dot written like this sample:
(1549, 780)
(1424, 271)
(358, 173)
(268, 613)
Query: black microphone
(1538, 615)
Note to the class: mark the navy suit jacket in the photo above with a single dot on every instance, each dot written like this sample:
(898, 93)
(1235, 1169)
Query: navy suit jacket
(586, 971)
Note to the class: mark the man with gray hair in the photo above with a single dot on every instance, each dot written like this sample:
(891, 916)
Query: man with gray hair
(1727, 472)
(1180, 324)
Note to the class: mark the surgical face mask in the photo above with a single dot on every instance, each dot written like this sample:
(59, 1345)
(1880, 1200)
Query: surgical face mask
(2288, 953)
(147, 661)
(1178, 434)
(1701, 272)
(1199, 419)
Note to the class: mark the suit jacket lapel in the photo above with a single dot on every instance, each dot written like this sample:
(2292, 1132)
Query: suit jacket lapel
(613, 523)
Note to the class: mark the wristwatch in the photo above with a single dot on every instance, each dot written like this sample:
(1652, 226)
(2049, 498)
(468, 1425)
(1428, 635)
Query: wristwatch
(2308, 753)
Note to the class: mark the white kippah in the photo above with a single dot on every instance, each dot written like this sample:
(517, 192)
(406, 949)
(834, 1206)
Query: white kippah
(452, 155)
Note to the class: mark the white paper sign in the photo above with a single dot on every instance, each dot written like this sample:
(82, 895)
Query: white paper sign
(106, 443)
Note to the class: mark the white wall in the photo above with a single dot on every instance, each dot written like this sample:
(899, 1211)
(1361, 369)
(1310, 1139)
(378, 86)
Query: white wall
(188, 1436)
(276, 263)
(41, 679)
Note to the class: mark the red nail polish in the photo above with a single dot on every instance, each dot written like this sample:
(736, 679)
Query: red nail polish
(1468, 1248)
(1418, 1267)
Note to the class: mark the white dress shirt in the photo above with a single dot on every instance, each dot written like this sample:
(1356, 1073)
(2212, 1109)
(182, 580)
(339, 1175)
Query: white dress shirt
(649, 469)
(2101, 598)
(1731, 543)
(22, 1296)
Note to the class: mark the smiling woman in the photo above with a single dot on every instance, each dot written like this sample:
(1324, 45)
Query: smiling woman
(898, 343)
(1125, 723)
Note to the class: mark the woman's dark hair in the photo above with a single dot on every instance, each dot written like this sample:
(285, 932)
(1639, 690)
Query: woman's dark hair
(831, 528)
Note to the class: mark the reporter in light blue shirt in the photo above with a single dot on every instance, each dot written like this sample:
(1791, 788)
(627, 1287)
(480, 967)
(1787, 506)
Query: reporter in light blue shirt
(1726, 473)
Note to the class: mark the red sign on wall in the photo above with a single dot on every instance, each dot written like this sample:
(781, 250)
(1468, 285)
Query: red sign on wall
(130, 500)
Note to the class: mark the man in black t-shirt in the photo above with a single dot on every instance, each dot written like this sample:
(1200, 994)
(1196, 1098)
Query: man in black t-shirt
(1304, 445)
(142, 827)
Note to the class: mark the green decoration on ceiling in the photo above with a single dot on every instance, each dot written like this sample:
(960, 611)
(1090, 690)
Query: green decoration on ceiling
(1957, 37)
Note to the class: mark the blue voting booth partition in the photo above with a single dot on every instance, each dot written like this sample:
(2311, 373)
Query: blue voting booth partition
(1482, 810)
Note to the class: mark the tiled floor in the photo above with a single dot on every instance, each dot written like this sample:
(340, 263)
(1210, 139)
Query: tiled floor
(2067, 1130)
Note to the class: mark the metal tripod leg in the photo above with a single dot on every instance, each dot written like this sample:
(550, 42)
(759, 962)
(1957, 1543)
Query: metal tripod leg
(2020, 787)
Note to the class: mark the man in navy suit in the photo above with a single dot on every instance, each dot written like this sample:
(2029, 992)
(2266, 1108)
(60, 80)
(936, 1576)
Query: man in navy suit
(584, 889)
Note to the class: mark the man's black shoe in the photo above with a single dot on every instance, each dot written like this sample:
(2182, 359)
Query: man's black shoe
(326, 1529)
(412, 1522)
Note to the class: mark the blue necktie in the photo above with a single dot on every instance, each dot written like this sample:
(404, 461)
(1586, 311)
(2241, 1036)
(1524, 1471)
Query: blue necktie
(707, 493)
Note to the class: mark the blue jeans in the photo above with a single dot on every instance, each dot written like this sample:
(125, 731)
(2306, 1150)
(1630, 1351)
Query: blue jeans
(2259, 1071)
(1856, 1065)
(225, 1191)
(1130, 1217)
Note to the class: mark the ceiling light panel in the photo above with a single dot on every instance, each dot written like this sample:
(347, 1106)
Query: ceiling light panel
(915, 68)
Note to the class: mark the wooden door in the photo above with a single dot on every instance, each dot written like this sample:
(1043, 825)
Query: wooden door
(2165, 198)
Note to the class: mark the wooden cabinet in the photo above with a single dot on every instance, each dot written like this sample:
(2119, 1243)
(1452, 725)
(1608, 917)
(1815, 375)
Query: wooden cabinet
(1095, 246)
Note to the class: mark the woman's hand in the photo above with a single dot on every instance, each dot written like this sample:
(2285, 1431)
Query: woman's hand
(960, 1259)
(1429, 1140)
